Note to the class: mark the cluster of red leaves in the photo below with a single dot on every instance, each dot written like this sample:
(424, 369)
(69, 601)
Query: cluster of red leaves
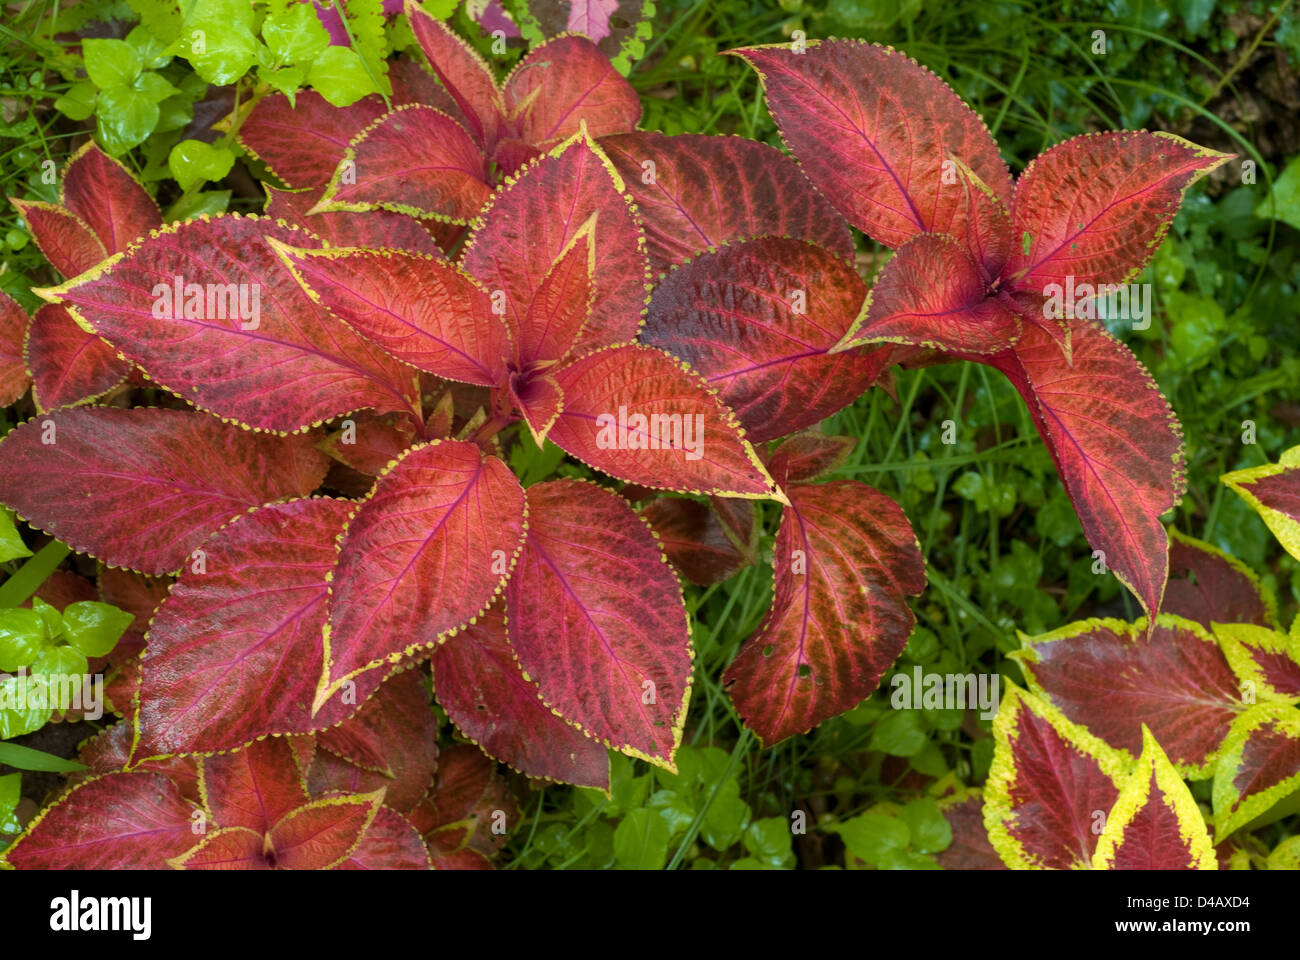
(554, 623)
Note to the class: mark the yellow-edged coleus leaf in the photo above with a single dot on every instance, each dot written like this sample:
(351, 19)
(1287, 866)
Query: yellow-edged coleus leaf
(14, 379)
(1267, 661)
(696, 192)
(421, 556)
(758, 320)
(254, 787)
(373, 229)
(414, 160)
(846, 560)
(596, 620)
(1050, 787)
(143, 488)
(244, 628)
(480, 683)
(119, 821)
(68, 365)
(207, 310)
(1155, 824)
(970, 848)
(302, 141)
(1113, 677)
(391, 842)
(1209, 586)
(1258, 767)
(1286, 855)
(1273, 490)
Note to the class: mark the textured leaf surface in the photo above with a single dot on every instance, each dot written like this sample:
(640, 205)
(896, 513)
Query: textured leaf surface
(66, 240)
(806, 456)
(1050, 782)
(322, 834)
(390, 843)
(535, 217)
(1155, 824)
(873, 131)
(226, 848)
(458, 816)
(414, 160)
(970, 848)
(1096, 207)
(425, 312)
(1273, 491)
(303, 143)
(13, 370)
(245, 631)
(845, 562)
(1116, 443)
(931, 294)
(480, 684)
(68, 364)
(616, 417)
(1208, 586)
(1265, 658)
(597, 621)
(142, 488)
(106, 197)
(563, 83)
(289, 366)
(120, 821)
(462, 71)
(561, 306)
(757, 320)
(375, 229)
(109, 751)
(705, 191)
(695, 539)
(424, 554)
(1112, 677)
(1260, 765)
(254, 787)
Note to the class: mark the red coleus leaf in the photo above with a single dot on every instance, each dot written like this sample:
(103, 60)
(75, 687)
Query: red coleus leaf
(480, 684)
(425, 554)
(226, 848)
(232, 332)
(970, 848)
(877, 133)
(389, 843)
(559, 309)
(1260, 765)
(302, 143)
(539, 400)
(369, 444)
(1266, 661)
(564, 82)
(375, 229)
(464, 73)
(1095, 208)
(806, 456)
(1050, 787)
(446, 180)
(1208, 586)
(845, 562)
(176, 475)
(533, 220)
(641, 415)
(244, 627)
(932, 294)
(425, 312)
(1273, 491)
(469, 812)
(254, 787)
(594, 608)
(758, 320)
(697, 192)
(1116, 443)
(1155, 824)
(68, 365)
(696, 539)
(120, 821)
(100, 191)
(1112, 677)
(66, 240)
(392, 740)
(110, 752)
(14, 380)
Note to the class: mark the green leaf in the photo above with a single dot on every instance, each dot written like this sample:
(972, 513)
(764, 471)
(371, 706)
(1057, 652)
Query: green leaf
(295, 36)
(50, 618)
(928, 826)
(193, 161)
(10, 794)
(22, 638)
(153, 86)
(768, 840)
(872, 836)
(126, 117)
(219, 41)
(79, 101)
(93, 627)
(907, 860)
(726, 817)
(60, 661)
(161, 17)
(286, 79)
(340, 77)
(641, 840)
(25, 758)
(208, 203)
(899, 733)
(111, 63)
(674, 808)
(11, 542)
(152, 50)
(1283, 201)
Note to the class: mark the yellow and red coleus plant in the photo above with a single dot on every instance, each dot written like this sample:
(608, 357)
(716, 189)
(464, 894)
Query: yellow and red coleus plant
(603, 280)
